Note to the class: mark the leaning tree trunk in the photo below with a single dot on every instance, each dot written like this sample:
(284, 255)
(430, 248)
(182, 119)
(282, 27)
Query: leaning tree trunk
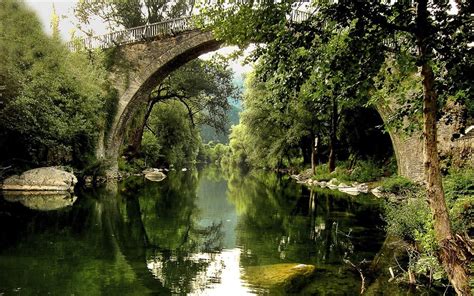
(451, 251)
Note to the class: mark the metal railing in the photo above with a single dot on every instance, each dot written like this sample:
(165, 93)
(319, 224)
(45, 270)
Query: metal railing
(160, 29)
(132, 35)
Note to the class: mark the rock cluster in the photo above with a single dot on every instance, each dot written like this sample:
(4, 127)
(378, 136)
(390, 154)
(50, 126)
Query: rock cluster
(354, 189)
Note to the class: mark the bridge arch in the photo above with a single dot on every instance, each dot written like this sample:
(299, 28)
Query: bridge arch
(148, 64)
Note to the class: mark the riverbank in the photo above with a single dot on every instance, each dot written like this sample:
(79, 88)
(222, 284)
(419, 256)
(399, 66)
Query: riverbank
(382, 188)
(409, 223)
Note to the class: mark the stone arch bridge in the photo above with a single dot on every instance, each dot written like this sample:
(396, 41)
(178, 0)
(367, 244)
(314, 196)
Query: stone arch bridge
(153, 51)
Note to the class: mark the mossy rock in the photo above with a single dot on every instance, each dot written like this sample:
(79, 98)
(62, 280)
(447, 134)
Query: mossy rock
(289, 277)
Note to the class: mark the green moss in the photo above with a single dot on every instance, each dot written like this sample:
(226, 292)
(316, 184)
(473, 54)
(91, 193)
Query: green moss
(287, 276)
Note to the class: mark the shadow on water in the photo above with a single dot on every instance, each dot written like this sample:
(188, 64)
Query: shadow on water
(192, 232)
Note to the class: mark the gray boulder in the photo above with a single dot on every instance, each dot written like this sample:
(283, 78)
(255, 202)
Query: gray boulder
(41, 179)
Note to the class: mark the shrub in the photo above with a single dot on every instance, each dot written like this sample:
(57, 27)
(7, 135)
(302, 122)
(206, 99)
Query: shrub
(323, 174)
(398, 185)
(409, 220)
(366, 171)
(459, 189)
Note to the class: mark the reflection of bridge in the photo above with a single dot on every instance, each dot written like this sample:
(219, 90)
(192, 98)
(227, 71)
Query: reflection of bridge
(151, 52)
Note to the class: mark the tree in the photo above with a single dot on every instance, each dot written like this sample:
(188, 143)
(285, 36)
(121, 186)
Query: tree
(132, 13)
(52, 103)
(171, 133)
(204, 88)
(427, 28)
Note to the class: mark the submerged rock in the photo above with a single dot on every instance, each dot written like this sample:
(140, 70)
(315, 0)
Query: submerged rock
(41, 200)
(41, 179)
(287, 276)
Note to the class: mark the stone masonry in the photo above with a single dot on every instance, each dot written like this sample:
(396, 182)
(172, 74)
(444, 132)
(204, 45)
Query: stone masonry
(148, 63)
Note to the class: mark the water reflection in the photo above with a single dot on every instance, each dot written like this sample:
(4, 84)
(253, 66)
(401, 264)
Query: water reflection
(41, 201)
(192, 233)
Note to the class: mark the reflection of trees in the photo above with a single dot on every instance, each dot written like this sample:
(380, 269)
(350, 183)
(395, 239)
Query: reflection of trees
(169, 216)
(74, 250)
(107, 242)
(281, 221)
(147, 237)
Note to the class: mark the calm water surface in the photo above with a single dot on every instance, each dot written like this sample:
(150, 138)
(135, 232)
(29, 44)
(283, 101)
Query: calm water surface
(195, 233)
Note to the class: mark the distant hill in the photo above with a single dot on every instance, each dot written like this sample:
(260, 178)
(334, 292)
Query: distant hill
(210, 134)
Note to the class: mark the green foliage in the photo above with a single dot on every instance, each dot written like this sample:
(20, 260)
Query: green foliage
(204, 88)
(208, 133)
(366, 171)
(341, 173)
(304, 79)
(410, 220)
(171, 138)
(459, 188)
(150, 148)
(131, 13)
(363, 171)
(52, 106)
(398, 185)
(397, 82)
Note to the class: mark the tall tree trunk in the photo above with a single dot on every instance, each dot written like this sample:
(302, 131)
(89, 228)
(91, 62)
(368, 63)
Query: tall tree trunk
(314, 154)
(450, 251)
(332, 137)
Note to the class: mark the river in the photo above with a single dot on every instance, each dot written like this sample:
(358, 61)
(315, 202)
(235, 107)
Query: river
(195, 233)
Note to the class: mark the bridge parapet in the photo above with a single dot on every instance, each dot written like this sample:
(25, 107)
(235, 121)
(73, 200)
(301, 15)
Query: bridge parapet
(143, 33)
(136, 34)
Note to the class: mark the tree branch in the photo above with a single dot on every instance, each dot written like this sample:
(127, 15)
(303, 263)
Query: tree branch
(190, 112)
